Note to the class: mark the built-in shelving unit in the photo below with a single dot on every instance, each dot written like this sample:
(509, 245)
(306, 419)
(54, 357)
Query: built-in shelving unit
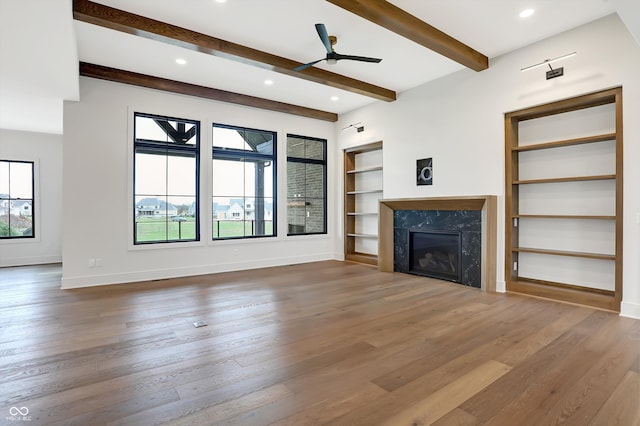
(362, 189)
(553, 201)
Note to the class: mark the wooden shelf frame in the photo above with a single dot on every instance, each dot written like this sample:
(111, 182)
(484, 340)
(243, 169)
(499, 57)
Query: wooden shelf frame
(351, 200)
(603, 299)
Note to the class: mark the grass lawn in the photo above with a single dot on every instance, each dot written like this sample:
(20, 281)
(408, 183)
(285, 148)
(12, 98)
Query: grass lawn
(235, 228)
(149, 229)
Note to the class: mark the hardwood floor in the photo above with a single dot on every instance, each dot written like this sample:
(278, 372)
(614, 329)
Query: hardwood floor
(322, 343)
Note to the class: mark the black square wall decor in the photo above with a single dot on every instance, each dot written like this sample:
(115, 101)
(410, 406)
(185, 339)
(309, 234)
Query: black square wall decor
(424, 171)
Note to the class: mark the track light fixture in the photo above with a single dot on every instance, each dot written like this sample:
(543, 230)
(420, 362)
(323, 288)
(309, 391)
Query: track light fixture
(553, 72)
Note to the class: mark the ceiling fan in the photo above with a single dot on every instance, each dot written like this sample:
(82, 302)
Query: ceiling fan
(332, 56)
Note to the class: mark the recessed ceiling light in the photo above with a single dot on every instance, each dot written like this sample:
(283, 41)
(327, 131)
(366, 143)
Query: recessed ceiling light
(334, 98)
(181, 61)
(268, 82)
(527, 12)
(221, 1)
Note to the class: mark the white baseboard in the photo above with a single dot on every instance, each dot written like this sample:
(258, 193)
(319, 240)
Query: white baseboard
(501, 287)
(157, 274)
(630, 310)
(26, 261)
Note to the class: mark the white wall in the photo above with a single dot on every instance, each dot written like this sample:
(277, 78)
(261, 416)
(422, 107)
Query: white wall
(458, 120)
(629, 10)
(46, 151)
(97, 181)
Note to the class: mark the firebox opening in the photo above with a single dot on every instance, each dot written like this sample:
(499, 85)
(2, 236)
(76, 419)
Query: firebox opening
(436, 254)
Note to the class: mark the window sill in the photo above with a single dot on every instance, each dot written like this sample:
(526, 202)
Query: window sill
(165, 246)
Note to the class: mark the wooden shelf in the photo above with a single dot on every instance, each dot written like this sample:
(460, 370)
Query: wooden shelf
(565, 179)
(367, 191)
(567, 142)
(374, 146)
(366, 258)
(561, 216)
(516, 196)
(600, 256)
(602, 299)
(566, 285)
(365, 170)
(360, 234)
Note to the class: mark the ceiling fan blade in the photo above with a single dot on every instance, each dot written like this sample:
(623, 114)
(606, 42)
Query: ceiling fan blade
(338, 56)
(332, 56)
(305, 66)
(324, 36)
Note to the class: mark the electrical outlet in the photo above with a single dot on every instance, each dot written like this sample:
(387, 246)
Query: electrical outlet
(98, 262)
(92, 263)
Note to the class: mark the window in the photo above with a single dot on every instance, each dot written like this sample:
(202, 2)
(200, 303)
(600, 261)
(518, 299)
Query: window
(166, 153)
(306, 185)
(244, 182)
(16, 199)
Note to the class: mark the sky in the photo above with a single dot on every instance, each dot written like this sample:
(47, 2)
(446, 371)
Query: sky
(159, 174)
(16, 179)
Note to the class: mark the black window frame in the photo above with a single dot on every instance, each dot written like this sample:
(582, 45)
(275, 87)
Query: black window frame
(323, 163)
(164, 148)
(233, 154)
(32, 199)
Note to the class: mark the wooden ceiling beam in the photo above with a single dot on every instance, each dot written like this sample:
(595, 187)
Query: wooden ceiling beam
(151, 82)
(400, 22)
(116, 19)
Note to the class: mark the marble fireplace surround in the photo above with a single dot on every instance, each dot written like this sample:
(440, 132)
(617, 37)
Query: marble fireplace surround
(487, 204)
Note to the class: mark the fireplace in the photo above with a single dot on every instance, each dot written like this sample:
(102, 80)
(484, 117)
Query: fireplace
(436, 254)
(478, 233)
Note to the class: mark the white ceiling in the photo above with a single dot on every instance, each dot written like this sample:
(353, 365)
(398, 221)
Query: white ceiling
(46, 47)
(38, 64)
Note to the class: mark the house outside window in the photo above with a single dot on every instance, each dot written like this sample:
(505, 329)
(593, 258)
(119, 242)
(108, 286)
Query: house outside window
(166, 179)
(244, 182)
(306, 185)
(16, 199)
